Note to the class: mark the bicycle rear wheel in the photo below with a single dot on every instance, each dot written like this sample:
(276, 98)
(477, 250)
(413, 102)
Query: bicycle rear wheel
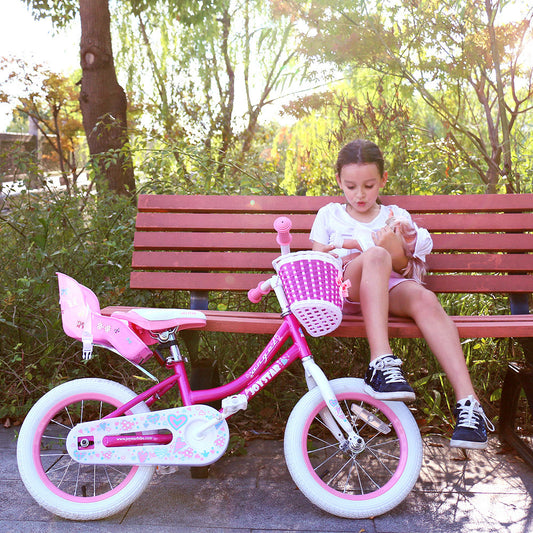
(369, 477)
(57, 482)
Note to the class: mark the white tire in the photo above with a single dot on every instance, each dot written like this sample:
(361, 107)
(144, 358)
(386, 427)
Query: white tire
(361, 481)
(57, 482)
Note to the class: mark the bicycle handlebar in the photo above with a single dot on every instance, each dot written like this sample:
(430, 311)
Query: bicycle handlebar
(255, 295)
(283, 226)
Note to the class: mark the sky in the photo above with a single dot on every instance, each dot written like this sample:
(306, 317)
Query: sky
(35, 41)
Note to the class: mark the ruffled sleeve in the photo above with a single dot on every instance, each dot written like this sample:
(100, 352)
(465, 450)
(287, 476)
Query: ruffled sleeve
(424, 243)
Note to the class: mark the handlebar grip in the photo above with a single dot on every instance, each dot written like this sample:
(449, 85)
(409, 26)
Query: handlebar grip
(283, 226)
(255, 295)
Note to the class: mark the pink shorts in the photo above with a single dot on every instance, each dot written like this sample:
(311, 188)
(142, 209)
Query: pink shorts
(354, 308)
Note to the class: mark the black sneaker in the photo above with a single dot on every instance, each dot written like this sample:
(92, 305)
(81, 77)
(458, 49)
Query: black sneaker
(471, 427)
(384, 380)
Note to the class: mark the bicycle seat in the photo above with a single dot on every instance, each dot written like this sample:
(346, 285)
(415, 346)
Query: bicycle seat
(155, 320)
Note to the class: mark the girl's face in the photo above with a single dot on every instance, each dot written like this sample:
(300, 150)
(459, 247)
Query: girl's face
(361, 184)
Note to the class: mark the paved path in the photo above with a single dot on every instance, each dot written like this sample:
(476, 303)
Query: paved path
(484, 493)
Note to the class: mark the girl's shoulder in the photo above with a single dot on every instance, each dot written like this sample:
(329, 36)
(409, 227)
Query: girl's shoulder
(333, 208)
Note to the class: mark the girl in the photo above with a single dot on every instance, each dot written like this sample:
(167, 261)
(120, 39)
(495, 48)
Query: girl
(379, 288)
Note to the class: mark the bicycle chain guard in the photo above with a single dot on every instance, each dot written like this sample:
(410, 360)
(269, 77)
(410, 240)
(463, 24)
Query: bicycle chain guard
(86, 442)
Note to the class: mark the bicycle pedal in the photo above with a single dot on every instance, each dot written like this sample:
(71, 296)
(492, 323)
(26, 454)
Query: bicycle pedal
(232, 404)
(370, 419)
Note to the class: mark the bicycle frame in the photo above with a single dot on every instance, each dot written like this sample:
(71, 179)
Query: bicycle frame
(258, 375)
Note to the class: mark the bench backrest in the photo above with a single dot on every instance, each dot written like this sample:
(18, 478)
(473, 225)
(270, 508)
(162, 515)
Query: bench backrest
(482, 243)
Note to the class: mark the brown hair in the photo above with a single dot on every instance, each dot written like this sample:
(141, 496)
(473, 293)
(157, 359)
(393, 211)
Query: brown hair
(360, 152)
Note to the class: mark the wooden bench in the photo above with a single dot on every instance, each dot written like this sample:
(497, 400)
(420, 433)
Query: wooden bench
(482, 244)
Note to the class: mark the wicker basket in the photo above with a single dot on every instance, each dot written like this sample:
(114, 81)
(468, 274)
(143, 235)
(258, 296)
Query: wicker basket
(311, 284)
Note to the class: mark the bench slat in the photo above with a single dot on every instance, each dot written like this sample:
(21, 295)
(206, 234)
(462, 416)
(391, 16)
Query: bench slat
(295, 204)
(259, 222)
(502, 326)
(238, 262)
(183, 240)
(231, 281)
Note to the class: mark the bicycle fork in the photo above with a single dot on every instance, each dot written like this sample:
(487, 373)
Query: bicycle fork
(333, 417)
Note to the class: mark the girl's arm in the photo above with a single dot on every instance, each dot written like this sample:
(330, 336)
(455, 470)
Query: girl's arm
(392, 242)
(319, 247)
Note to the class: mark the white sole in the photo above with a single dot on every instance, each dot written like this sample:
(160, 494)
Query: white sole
(468, 445)
(401, 396)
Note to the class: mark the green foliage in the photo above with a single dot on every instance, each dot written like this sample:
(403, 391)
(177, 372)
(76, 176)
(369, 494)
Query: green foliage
(40, 235)
(61, 12)
(206, 83)
(171, 167)
(463, 60)
(49, 101)
(370, 107)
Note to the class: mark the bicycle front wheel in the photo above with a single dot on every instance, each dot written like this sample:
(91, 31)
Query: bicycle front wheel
(57, 482)
(366, 478)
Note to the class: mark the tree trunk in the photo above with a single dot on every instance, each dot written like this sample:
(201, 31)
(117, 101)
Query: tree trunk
(102, 100)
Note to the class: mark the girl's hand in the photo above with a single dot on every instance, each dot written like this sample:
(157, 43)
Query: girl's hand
(392, 242)
(325, 248)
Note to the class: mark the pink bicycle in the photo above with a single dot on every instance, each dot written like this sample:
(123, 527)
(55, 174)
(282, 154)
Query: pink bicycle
(89, 447)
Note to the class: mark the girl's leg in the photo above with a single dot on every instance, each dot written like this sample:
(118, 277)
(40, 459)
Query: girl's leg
(413, 300)
(369, 274)
(410, 299)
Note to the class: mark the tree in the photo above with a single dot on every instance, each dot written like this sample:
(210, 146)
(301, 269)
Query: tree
(209, 73)
(50, 101)
(461, 57)
(102, 100)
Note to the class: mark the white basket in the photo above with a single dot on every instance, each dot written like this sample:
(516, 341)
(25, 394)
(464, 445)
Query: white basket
(311, 281)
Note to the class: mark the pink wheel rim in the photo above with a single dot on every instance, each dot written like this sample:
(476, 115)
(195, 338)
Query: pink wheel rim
(36, 452)
(400, 432)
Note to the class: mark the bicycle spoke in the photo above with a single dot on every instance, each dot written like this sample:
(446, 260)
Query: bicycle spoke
(369, 477)
(54, 421)
(355, 469)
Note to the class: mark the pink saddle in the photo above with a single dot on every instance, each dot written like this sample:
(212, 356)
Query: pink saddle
(81, 317)
(146, 320)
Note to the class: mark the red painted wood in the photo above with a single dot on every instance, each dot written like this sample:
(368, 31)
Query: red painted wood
(183, 240)
(352, 326)
(262, 222)
(245, 261)
(232, 281)
(282, 204)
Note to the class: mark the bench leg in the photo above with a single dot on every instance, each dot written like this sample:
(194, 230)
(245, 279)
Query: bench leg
(204, 375)
(519, 378)
(204, 372)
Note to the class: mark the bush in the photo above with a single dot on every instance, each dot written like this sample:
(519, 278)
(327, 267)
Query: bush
(40, 235)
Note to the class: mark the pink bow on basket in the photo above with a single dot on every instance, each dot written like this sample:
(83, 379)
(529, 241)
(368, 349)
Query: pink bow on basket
(343, 286)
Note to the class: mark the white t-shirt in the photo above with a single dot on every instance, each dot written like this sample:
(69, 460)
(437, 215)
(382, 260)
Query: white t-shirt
(332, 221)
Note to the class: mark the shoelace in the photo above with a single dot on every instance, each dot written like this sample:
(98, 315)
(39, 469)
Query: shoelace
(466, 416)
(391, 370)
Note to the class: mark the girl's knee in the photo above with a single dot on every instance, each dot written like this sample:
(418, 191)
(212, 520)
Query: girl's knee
(426, 302)
(377, 257)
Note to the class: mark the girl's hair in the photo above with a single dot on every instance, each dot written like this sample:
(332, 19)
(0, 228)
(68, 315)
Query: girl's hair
(360, 152)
